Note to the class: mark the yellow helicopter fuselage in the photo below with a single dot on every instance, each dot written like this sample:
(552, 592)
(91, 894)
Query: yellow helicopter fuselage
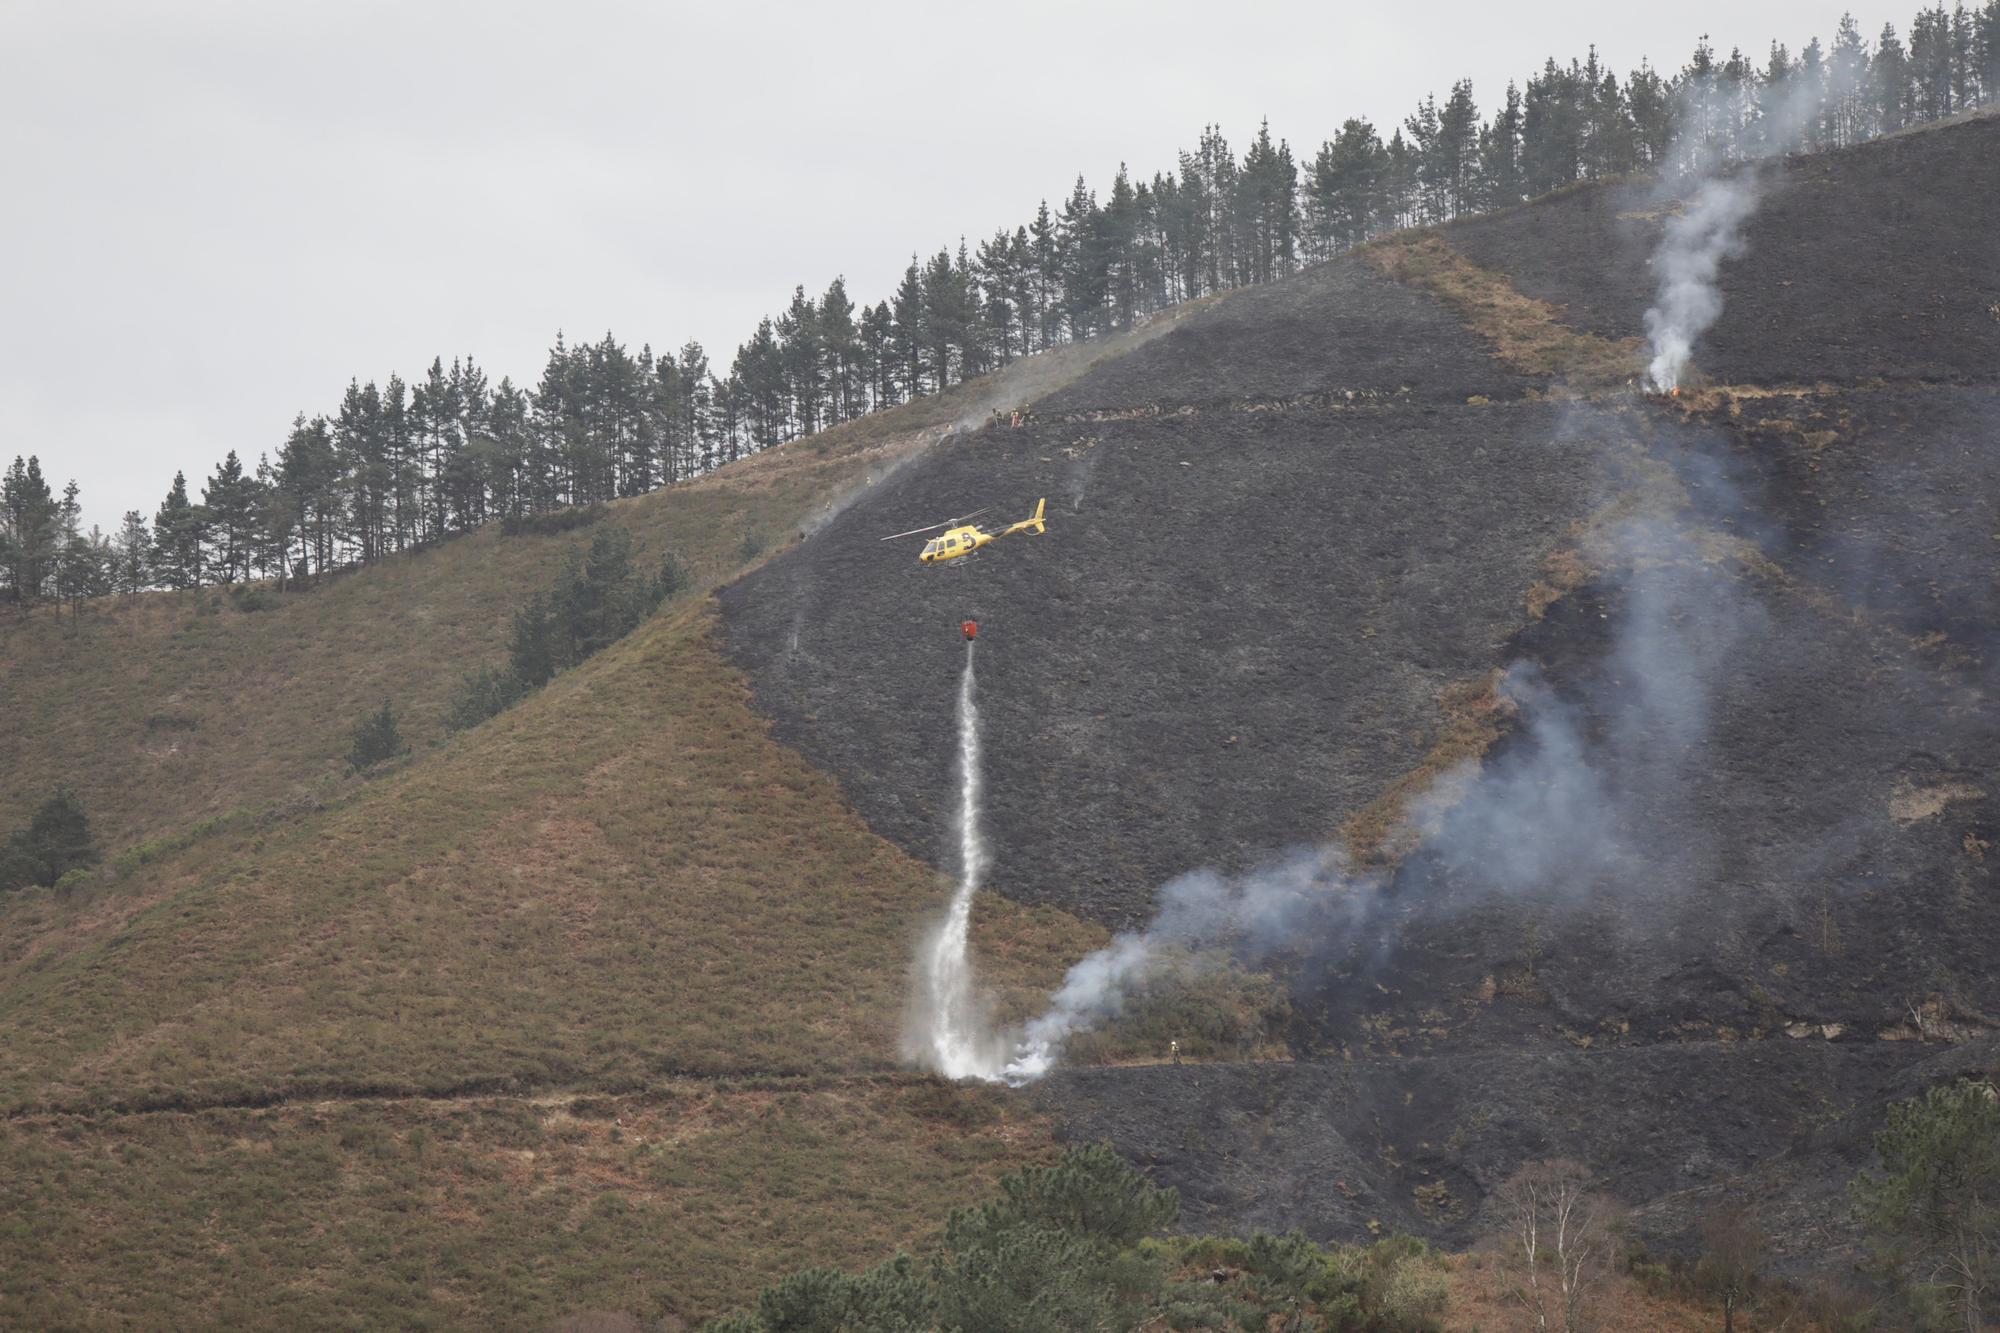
(957, 542)
(969, 537)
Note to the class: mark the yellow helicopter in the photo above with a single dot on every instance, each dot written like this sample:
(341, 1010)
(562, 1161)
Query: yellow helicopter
(964, 536)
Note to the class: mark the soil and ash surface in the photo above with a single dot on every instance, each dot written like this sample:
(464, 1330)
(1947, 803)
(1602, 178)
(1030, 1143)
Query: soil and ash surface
(1232, 636)
(1725, 886)
(1880, 262)
(1419, 1144)
(1337, 330)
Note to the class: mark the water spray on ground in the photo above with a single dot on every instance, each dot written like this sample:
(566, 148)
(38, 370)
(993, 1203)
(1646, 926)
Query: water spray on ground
(951, 1035)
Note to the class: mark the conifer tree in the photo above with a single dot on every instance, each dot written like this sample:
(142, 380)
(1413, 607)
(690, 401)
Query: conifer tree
(1891, 70)
(30, 530)
(177, 538)
(878, 355)
(1080, 262)
(1852, 115)
(838, 343)
(1500, 154)
(1986, 51)
(132, 554)
(908, 332)
(1044, 317)
(230, 501)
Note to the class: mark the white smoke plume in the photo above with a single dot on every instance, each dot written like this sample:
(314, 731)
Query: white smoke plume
(949, 1032)
(1688, 264)
(1688, 261)
(1250, 916)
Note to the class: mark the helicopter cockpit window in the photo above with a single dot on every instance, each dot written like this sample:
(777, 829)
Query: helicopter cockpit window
(930, 548)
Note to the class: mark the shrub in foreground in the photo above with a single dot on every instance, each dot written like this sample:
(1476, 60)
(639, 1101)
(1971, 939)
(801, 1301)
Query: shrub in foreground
(1075, 1245)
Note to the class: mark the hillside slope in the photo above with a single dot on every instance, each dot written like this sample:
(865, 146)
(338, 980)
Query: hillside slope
(1661, 734)
(1738, 781)
(594, 1006)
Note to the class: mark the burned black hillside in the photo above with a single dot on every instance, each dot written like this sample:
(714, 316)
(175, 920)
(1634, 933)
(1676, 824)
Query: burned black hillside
(1726, 881)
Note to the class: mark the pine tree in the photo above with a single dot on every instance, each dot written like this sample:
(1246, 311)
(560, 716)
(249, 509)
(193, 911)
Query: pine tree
(878, 355)
(403, 521)
(132, 570)
(1931, 65)
(30, 530)
(309, 477)
(177, 538)
(841, 349)
(1552, 128)
(1457, 163)
(81, 566)
(1080, 262)
(804, 363)
(272, 525)
(944, 318)
(1396, 199)
(1500, 154)
(230, 501)
(1610, 139)
(1986, 51)
(1851, 110)
(908, 333)
(996, 271)
(1215, 170)
(1044, 317)
(1964, 43)
(1891, 70)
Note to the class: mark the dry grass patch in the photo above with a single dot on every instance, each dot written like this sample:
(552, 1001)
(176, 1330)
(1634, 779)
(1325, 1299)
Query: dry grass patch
(486, 1212)
(621, 879)
(1482, 1299)
(1527, 334)
(1472, 713)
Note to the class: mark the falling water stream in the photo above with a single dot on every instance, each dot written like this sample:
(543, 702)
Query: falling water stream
(955, 1042)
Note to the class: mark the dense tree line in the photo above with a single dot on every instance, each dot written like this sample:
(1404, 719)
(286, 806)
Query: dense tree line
(399, 464)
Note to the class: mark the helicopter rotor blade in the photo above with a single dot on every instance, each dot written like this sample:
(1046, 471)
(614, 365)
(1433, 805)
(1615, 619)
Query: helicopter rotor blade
(948, 523)
(914, 531)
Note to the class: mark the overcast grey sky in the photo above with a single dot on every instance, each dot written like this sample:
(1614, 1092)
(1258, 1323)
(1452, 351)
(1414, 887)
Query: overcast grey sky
(216, 213)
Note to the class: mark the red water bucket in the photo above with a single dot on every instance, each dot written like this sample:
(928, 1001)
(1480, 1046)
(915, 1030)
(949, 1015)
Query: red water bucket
(971, 628)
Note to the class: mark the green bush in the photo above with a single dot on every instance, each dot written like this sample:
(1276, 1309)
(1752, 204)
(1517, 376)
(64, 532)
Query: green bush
(597, 599)
(376, 740)
(480, 695)
(55, 842)
(1074, 1245)
(1934, 1208)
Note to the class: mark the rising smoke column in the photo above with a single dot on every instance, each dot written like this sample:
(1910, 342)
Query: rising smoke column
(1688, 263)
(950, 1033)
(1696, 241)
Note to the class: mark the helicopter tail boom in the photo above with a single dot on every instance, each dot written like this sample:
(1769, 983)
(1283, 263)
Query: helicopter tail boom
(1033, 524)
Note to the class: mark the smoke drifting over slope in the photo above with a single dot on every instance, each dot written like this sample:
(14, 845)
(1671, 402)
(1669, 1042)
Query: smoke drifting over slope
(1571, 811)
